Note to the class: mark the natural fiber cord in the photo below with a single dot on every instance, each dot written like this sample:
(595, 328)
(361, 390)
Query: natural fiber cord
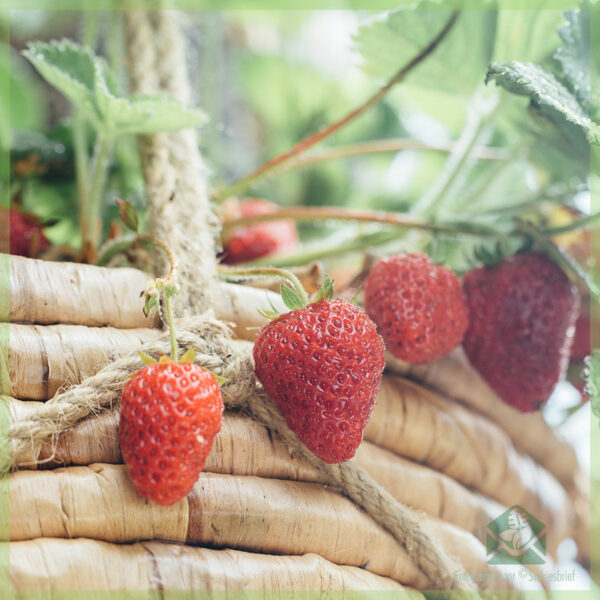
(178, 203)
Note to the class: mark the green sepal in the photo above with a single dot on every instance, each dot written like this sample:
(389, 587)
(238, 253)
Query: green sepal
(290, 298)
(128, 215)
(189, 356)
(325, 292)
(269, 314)
(170, 289)
(220, 380)
(147, 360)
(151, 302)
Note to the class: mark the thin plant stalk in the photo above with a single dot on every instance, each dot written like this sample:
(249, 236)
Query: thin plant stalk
(324, 250)
(376, 147)
(99, 170)
(170, 322)
(89, 37)
(431, 202)
(237, 273)
(585, 221)
(313, 214)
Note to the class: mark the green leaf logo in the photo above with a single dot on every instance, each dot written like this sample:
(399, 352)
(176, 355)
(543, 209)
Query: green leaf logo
(516, 536)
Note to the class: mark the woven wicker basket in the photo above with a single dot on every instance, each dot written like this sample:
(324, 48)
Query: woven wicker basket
(262, 516)
(73, 506)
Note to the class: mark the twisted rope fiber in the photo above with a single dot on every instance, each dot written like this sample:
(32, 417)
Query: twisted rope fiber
(178, 202)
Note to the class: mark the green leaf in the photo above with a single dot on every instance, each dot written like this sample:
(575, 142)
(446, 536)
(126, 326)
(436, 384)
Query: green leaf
(546, 94)
(592, 383)
(72, 70)
(390, 40)
(128, 215)
(290, 298)
(21, 102)
(574, 55)
(522, 33)
(149, 114)
(85, 79)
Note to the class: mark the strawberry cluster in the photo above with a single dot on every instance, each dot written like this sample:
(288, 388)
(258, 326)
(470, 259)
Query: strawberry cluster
(322, 362)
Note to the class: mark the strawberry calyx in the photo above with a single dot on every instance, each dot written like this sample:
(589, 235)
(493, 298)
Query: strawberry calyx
(292, 292)
(189, 356)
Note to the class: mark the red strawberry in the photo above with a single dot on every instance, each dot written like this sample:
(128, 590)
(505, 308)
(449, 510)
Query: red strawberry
(522, 313)
(26, 235)
(418, 306)
(170, 413)
(322, 366)
(263, 239)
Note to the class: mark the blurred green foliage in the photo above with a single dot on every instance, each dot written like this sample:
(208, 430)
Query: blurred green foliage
(269, 78)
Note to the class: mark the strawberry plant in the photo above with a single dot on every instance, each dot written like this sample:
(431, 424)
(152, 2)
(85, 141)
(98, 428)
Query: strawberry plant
(86, 80)
(500, 132)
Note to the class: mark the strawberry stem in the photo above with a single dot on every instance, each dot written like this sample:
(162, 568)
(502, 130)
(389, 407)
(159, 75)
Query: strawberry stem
(573, 226)
(375, 147)
(276, 162)
(318, 213)
(166, 286)
(331, 248)
(171, 325)
(237, 274)
(559, 256)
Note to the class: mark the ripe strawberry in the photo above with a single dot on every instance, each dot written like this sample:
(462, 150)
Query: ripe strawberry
(26, 235)
(245, 244)
(522, 313)
(170, 413)
(418, 306)
(322, 366)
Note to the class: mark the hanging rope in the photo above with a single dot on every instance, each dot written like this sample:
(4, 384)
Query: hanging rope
(178, 204)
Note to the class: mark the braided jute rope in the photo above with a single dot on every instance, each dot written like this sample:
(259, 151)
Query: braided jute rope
(179, 211)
